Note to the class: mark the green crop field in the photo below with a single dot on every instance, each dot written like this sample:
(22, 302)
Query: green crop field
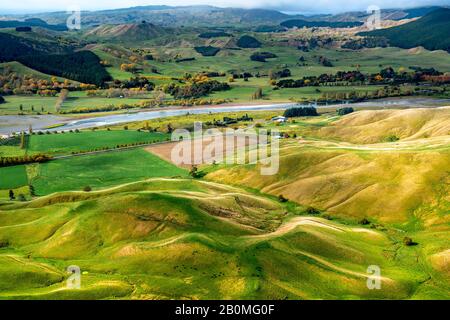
(102, 170)
(89, 140)
(13, 177)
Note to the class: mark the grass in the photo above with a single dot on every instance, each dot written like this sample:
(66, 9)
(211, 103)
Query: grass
(100, 171)
(11, 151)
(13, 177)
(44, 105)
(89, 140)
(370, 60)
(172, 239)
(388, 181)
(242, 91)
(228, 237)
(156, 236)
(13, 103)
(187, 121)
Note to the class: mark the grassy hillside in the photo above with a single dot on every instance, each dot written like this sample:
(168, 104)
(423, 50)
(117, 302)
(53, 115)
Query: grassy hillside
(430, 31)
(378, 126)
(174, 239)
(24, 70)
(127, 32)
(386, 181)
(99, 171)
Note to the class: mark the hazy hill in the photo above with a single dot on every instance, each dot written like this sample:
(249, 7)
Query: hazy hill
(128, 32)
(431, 31)
(31, 22)
(299, 23)
(173, 16)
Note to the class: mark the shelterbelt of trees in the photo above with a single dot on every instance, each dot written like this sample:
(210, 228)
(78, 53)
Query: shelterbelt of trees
(385, 76)
(12, 161)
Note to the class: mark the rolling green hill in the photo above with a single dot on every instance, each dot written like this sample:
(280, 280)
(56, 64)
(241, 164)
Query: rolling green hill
(431, 31)
(185, 239)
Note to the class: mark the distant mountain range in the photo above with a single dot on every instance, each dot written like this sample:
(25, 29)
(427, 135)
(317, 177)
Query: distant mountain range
(211, 16)
(432, 32)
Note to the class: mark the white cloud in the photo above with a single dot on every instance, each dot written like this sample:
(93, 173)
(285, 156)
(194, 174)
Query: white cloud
(284, 5)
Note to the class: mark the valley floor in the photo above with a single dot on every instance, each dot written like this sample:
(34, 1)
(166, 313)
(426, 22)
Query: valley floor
(355, 189)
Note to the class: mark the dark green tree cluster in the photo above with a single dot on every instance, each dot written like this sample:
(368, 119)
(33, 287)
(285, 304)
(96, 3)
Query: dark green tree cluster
(243, 75)
(196, 90)
(262, 56)
(345, 110)
(248, 42)
(13, 47)
(273, 75)
(82, 66)
(185, 59)
(325, 61)
(368, 42)
(138, 82)
(207, 51)
(300, 112)
(213, 34)
(385, 76)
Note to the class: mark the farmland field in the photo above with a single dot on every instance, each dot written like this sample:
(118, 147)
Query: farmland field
(13, 177)
(100, 171)
(90, 140)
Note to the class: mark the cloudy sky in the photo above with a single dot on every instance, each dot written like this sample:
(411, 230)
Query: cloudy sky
(305, 6)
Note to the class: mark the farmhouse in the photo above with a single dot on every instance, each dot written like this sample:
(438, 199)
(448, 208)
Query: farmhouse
(279, 119)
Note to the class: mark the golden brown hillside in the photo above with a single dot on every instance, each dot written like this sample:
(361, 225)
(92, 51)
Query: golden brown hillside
(378, 126)
(390, 182)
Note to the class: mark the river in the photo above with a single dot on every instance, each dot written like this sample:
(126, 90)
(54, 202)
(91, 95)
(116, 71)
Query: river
(15, 123)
